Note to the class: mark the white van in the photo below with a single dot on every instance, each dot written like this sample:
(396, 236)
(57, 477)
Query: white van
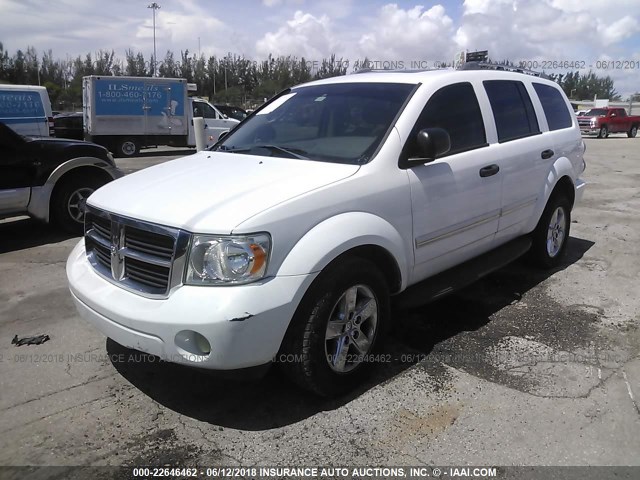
(26, 109)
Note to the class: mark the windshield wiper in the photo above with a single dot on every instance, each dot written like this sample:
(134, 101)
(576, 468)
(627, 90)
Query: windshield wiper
(294, 152)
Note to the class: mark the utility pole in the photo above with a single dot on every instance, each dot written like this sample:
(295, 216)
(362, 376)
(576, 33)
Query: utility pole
(154, 6)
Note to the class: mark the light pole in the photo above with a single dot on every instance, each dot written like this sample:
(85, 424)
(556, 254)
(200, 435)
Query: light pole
(154, 6)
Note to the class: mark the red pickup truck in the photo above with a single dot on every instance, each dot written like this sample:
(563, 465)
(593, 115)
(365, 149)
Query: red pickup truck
(603, 121)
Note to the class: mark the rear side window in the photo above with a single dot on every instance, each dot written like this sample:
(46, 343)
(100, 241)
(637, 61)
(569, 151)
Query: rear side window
(455, 109)
(554, 106)
(512, 109)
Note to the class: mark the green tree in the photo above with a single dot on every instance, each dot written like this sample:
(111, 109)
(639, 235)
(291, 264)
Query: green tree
(586, 86)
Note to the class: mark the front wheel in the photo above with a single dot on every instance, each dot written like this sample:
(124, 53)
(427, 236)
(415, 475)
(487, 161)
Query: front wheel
(549, 239)
(633, 131)
(338, 328)
(604, 132)
(69, 200)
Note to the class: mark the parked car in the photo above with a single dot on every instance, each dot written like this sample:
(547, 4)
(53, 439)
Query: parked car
(68, 125)
(51, 178)
(286, 240)
(606, 120)
(232, 112)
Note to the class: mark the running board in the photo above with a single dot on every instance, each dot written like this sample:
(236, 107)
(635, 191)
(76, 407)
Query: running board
(463, 275)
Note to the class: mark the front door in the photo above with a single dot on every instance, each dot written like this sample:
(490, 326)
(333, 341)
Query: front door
(16, 173)
(456, 198)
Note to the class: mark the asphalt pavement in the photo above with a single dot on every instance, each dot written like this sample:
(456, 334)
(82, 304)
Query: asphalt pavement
(522, 368)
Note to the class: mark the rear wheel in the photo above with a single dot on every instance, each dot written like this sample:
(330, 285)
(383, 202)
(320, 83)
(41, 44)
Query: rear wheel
(337, 329)
(633, 131)
(128, 147)
(604, 132)
(69, 201)
(549, 239)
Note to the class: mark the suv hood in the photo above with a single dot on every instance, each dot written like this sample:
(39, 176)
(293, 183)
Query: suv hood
(59, 149)
(213, 192)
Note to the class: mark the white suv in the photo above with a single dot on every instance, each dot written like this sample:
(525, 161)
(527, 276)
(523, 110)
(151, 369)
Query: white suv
(286, 240)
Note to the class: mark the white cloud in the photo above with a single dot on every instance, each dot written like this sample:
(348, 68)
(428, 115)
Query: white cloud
(619, 30)
(304, 35)
(412, 34)
(545, 29)
(176, 31)
(485, 6)
(514, 29)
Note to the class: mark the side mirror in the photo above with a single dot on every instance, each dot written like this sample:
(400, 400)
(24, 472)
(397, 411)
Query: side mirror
(432, 142)
(613, 115)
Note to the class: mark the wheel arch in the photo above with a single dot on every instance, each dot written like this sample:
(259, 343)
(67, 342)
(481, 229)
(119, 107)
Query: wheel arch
(41, 197)
(559, 181)
(358, 234)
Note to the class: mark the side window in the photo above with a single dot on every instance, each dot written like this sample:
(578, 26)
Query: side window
(554, 106)
(209, 112)
(512, 109)
(197, 110)
(455, 109)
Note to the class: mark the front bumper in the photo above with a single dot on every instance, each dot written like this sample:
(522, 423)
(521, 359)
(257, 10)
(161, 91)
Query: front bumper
(589, 130)
(244, 324)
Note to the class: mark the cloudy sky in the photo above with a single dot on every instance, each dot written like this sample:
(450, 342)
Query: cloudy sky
(543, 30)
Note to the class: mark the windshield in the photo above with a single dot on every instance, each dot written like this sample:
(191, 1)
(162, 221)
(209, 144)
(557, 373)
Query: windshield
(595, 112)
(342, 123)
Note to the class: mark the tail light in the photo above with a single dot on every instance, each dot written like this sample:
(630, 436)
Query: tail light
(51, 129)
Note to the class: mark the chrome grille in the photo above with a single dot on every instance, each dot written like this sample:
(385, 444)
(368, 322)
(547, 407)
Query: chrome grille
(584, 122)
(142, 257)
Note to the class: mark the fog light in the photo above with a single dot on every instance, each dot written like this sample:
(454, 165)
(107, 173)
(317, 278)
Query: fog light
(192, 345)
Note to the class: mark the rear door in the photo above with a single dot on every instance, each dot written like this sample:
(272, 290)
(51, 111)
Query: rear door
(619, 120)
(523, 155)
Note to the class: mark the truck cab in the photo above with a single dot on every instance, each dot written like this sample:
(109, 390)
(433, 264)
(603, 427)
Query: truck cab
(215, 122)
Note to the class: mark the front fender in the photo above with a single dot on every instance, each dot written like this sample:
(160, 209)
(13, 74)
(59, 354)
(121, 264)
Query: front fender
(336, 235)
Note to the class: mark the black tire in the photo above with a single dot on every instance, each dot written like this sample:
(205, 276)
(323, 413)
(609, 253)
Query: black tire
(127, 147)
(604, 132)
(307, 355)
(548, 248)
(67, 203)
(633, 131)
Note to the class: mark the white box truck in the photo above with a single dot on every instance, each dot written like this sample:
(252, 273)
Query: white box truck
(126, 114)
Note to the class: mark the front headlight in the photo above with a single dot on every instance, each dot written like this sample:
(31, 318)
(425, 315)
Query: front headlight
(222, 260)
(594, 121)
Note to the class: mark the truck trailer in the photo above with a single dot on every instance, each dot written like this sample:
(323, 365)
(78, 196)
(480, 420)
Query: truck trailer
(126, 114)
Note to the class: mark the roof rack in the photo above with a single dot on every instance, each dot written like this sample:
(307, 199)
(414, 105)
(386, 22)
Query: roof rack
(497, 66)
(395, 70)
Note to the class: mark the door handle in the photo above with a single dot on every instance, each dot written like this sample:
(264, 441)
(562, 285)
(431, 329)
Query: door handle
(547, 154)
(489, 170)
